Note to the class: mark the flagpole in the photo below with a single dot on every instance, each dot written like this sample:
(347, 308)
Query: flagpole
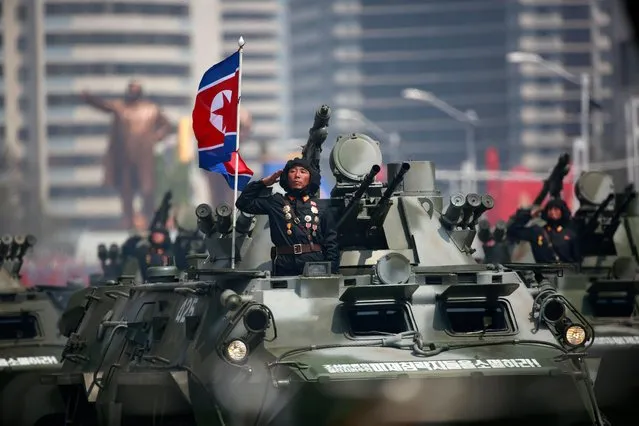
(240, 43)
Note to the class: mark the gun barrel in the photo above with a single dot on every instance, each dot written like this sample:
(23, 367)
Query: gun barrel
(392, 186)
(322, 116)
(244, 222)
(224, 217)
(205, 221)
(473, 201)
(552, 184)
(453, 211)
(366, 182)
(629, 194)
(102, 252)
(591, 225)
(499, 233)
(114, 252)
(483, 233)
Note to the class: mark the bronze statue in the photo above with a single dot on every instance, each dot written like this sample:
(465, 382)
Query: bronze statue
(129, 164)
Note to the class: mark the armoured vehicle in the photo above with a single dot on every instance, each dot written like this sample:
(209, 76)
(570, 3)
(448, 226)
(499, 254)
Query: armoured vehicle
(410, 330)
(605, 288)
(30, 344)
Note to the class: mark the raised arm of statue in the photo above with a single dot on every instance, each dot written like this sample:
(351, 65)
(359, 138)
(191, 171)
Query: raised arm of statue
(98, 103)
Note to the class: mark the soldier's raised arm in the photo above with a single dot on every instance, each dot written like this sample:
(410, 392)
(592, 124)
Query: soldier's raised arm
(98, 103)
(250, 201)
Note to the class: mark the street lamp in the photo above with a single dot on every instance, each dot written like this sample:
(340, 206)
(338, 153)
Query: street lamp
(393, 138)
(583, 80)
(468, 118)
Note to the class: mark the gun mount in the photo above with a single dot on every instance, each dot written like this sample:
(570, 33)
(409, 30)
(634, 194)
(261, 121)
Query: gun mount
(12, 252)
(600, 214)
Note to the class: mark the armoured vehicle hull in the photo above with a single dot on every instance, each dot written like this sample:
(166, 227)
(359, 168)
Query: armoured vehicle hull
(614, 354)
(185, 375)
(407, 331)
(30, 344)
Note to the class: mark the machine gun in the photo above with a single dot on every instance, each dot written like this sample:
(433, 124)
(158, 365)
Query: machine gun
(383, 205)
(593, 222)
(317, 134)
(625, 199)
(358, 194)
(553, 184)
(12, 252)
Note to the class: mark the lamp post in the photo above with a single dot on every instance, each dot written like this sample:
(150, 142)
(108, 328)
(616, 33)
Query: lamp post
(583, 80)
(468, 118)
(393, 138)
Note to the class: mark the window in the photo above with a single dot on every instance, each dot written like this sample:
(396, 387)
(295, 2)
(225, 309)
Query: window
(77, 129)
(18, 326)
(118, 38)
(23, 134)
(76, 100)
(375, 319)
(150, 9)
(75, 8)
(612, 304)
(121, 8)
(102, 68)
(468, 316)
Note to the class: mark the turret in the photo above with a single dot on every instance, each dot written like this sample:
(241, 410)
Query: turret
(373, 219)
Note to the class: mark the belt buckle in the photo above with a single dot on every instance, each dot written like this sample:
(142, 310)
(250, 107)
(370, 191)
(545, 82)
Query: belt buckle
(297, 249)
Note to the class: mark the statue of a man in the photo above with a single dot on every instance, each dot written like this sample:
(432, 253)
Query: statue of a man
(138, 124)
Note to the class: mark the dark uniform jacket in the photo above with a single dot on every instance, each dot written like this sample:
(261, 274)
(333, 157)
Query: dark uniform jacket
(314, 226)
(550, 243)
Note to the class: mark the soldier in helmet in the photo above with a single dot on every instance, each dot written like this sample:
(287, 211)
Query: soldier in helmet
(300, 232)
(556, 241)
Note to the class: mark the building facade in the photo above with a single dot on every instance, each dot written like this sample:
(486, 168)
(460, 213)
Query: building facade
(360, 55)
(60, 48)
(264, 83)
(545, 118)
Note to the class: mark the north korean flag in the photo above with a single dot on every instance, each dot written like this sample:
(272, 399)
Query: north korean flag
(215, 112)
(227, 169)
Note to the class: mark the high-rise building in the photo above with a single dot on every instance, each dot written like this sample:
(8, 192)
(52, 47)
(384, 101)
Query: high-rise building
(546, 107)
(360, 55)
(264, 84)
(55, 49)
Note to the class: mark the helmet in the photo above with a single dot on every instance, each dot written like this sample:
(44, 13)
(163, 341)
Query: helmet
(314, 183)
(557, 203)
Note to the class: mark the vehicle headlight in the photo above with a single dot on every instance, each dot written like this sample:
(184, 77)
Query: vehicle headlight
(575, 335)
(236, 351)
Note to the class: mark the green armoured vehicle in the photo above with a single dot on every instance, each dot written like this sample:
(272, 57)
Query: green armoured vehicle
(410, 330)
(30, 344)
(606, 286)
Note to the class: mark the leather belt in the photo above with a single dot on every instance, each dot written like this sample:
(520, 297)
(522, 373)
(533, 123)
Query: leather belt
(298, 249)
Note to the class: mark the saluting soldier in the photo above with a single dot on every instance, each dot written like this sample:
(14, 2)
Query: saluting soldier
(554, 242)
(300, 232)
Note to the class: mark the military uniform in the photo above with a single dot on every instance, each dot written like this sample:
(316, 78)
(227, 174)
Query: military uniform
(300, 232)
(554, 242)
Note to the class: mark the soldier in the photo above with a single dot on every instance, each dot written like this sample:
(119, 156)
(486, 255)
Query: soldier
(299, 231)
(137, 126)
(553, 242)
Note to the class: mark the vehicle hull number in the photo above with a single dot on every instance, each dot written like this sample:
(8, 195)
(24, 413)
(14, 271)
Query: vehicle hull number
(187, 309)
